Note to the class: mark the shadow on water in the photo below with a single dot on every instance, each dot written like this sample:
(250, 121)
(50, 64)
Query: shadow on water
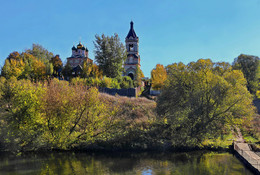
(197, 162)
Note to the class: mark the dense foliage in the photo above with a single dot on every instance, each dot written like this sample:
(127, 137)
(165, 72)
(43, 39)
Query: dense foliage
(250, 67)
(138, 77)
(91, 70)
(110, 54)
(57, 65)
(202, 100)
(59, 115)
(33, 64)
(104, 82)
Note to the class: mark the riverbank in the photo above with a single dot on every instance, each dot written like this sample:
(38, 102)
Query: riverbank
(103, 148)
(57, 115)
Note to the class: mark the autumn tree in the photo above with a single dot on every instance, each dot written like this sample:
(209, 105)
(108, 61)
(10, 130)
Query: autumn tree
(138, 77)
(24, 66)
(158, 77)
(28, 59)
(203, 99)
(39, 70)
(249, 65)
(110, 53)
(43, 55)
(14, 66)
(57, 65)
(32, 64)
(23, 123)
(52, 115)
(91, 70)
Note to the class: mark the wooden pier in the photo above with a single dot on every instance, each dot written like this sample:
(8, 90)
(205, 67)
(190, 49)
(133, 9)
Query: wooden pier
(248, 156)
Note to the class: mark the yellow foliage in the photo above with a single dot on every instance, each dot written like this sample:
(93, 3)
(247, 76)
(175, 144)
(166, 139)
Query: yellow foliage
(91, 70)
(158, 76)
(39, 69)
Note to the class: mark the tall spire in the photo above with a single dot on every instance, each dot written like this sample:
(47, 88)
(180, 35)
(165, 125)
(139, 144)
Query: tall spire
(131, 32)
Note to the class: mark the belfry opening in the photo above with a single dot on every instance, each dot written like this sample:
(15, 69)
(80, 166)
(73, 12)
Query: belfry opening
(131, 75)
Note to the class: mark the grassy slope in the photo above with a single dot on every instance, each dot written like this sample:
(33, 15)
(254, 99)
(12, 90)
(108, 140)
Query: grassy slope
(141, 112)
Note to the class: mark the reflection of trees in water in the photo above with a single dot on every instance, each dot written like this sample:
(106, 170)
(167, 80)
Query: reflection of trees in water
(10, 164)
(196, 163)
(123, 163)
(84, 163)
(73, 163)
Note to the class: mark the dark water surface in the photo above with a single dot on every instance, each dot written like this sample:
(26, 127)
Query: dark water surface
(69, 163)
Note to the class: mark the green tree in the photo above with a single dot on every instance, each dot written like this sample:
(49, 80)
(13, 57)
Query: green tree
(249, 65)
(40, 52)
(49, 69)
(202, 99)
(67, 71)
(126, 82)
(110, 54)
(21, 101)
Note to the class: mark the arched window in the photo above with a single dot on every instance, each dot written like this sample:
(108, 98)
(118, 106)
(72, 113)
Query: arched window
(131, 47)
(131, 75)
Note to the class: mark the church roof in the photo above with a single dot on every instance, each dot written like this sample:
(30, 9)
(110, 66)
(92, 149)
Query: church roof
(73, 48)
(131, 32)
(79, 46)
(77, 68)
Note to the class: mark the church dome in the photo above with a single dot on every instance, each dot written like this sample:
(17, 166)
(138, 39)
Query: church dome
(73, 48)
(79, 46)
(83, 48)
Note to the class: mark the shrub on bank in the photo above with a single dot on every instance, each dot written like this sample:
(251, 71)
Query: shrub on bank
(117, 83)
(59, 115)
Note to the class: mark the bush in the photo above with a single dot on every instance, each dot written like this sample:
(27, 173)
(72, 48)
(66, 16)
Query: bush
(52, 115)
(126, 82)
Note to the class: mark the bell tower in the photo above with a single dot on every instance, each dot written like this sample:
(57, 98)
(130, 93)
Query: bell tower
(133, 57)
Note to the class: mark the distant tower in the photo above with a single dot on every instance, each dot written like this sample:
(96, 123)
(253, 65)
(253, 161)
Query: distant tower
(133, 57)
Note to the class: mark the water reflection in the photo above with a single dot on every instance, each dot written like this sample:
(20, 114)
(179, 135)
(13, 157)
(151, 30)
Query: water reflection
(207, 163)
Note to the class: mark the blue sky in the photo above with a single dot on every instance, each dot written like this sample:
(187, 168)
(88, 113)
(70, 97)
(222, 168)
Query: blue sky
(169, 31)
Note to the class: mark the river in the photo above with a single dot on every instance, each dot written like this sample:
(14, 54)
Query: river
(145, 163)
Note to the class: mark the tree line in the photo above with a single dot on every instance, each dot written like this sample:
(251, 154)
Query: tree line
(38, 64)
(249, 65)
(200, 102)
